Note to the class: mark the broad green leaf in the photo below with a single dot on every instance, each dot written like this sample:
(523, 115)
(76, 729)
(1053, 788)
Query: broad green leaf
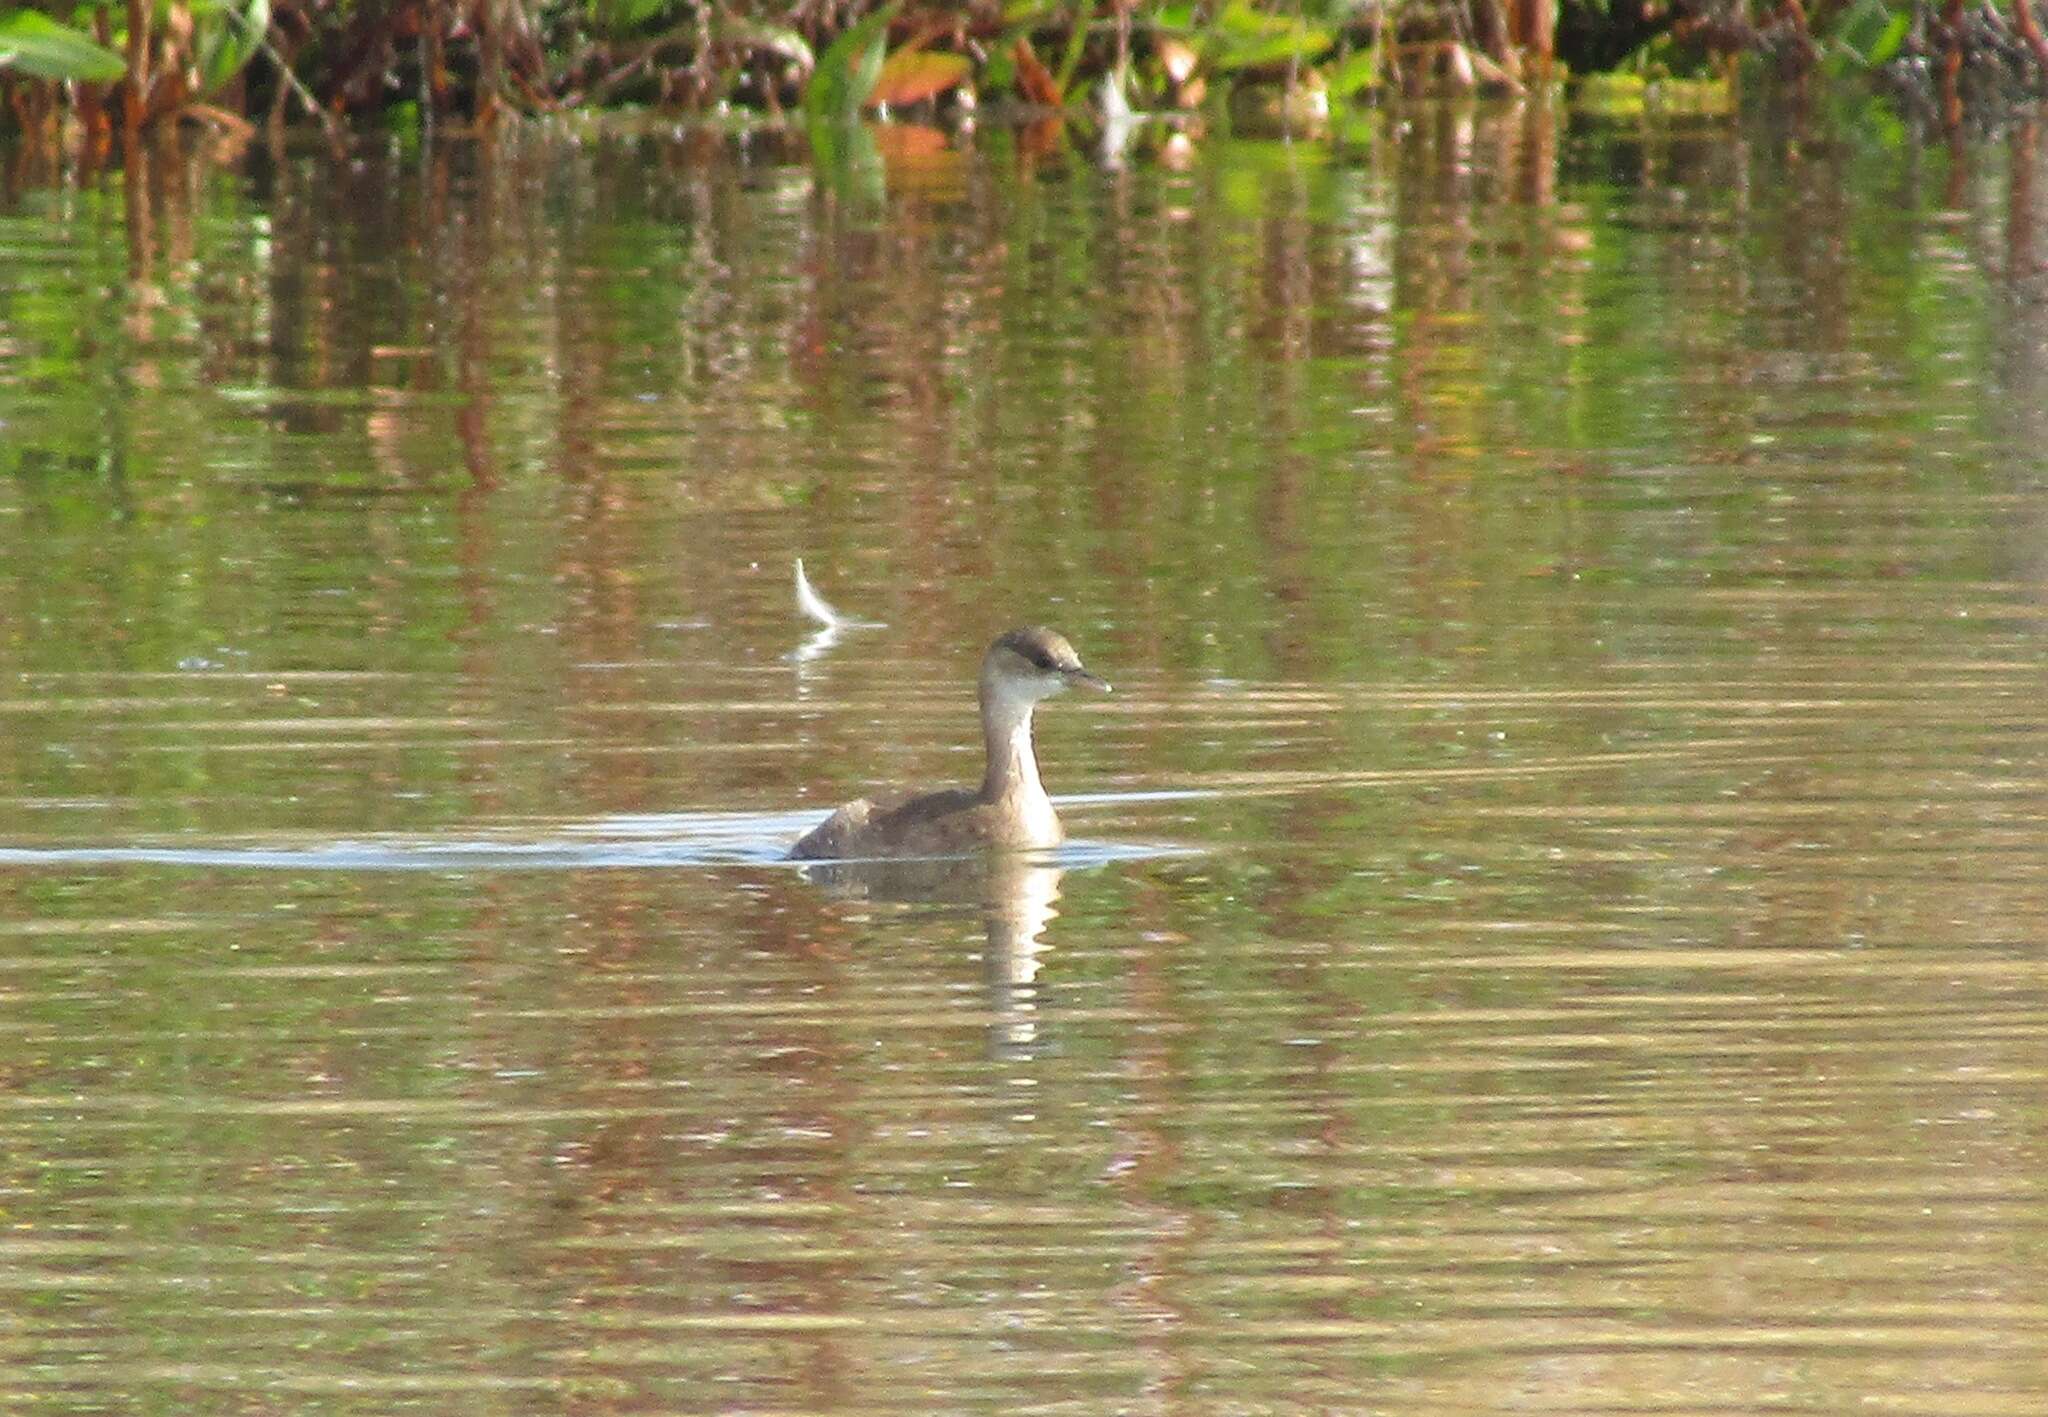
(33, 43)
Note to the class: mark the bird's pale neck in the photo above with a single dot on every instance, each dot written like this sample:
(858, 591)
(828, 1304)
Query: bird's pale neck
(1006, 729)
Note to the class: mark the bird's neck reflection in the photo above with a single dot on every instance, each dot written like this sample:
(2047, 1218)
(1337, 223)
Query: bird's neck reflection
(1018, 897)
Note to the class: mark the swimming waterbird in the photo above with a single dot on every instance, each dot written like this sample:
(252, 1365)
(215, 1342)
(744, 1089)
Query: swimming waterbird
(1010, 811)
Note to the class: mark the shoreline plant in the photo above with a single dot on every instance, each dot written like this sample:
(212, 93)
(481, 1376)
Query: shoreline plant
(85, 73)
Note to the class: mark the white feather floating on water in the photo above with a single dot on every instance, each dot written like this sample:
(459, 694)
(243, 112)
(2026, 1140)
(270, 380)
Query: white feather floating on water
(813, 604)
(816, 607)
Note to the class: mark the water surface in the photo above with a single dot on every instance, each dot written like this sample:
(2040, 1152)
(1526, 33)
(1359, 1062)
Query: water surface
(1558, 913)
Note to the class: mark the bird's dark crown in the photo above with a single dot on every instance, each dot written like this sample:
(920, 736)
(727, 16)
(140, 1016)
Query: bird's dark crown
(1041, 648)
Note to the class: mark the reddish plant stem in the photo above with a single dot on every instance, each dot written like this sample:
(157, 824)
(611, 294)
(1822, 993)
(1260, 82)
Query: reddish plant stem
(136, 94)
(2030, 30)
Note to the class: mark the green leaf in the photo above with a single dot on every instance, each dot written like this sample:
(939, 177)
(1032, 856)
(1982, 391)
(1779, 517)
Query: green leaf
(847, 70)
(1070, 61)
(1297, 42)
(1000, 72)
(625, 16)
(231, 41)
(1241, 21)
(33, 43)
(849, 164)
(1357, 70)
(1886, 46)
(1867, 34)
(1245, 37)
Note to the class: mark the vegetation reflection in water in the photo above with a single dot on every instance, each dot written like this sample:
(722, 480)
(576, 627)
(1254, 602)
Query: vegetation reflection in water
(1577, 589)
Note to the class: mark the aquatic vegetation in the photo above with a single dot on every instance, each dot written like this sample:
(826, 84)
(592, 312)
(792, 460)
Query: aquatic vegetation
(130, 69)
(86, 71)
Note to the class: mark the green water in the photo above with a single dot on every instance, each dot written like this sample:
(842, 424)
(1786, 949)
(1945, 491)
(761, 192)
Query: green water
(1557, 919)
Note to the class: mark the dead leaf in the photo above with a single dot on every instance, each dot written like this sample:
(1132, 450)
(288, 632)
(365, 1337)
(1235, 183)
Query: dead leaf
(1041, 137)
(1035, 83)
(910, 142)
(913, 75)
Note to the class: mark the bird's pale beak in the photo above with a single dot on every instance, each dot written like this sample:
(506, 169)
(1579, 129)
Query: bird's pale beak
(1078, 675)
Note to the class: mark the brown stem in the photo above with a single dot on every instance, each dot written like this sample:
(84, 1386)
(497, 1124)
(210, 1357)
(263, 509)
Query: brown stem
(2030, 30)
(92, 98)
(1533, 24)
(1803, 50)
(433, 84)
(1952, 65)
(490, 43)
(1490, 29)
(137, 208)
(138, 65)
(2020, 260)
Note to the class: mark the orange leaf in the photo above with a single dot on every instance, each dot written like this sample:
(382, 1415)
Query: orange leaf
(912, 75)
(911, 144)
(1035, 82)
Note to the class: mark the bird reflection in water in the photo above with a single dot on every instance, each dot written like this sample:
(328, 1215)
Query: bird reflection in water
(1016, 895)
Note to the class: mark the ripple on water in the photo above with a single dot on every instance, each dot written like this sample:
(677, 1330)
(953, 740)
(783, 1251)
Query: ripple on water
(1604, 974)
